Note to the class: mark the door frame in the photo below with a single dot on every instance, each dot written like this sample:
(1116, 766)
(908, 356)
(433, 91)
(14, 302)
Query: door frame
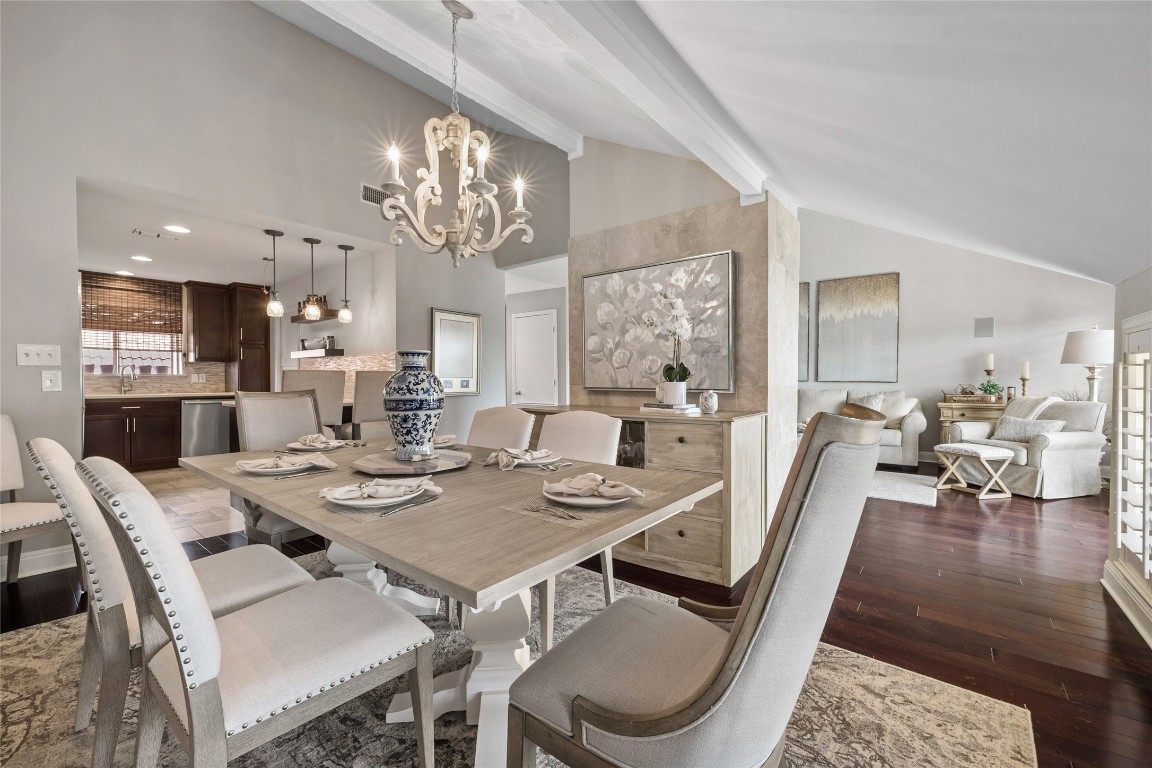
(511, 361)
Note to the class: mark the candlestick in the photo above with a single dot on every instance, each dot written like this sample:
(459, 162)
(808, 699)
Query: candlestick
(989, 372)
(1023, 386)
(1025, 369)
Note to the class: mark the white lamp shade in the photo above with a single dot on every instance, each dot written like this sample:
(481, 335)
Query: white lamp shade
(1093, 347)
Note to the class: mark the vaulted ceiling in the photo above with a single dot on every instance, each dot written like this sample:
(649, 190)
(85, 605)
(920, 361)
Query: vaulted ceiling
(1022, 130)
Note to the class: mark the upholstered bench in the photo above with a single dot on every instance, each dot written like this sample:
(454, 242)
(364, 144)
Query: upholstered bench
(952, 455)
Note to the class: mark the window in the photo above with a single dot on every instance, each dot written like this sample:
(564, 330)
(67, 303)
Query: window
(129, 321)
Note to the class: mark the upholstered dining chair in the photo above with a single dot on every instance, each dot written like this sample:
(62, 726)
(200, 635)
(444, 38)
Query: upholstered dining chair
(230, 580)
(329, 389)
(369, 419)
(19, 519)
(649, 683)
(581, 436)
(269, 421)
(227, 685)
(501, 427)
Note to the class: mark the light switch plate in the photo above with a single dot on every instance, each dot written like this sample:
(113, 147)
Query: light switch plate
(50, 381)
(38, 354)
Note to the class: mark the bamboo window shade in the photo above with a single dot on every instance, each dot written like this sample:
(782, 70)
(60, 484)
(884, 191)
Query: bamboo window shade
(150, 310)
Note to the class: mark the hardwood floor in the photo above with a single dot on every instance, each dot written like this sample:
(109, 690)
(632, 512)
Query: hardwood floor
(999, 597)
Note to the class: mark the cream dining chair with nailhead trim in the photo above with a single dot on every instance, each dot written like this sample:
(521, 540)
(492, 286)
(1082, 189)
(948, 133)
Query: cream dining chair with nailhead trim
(227, 685)
(581, 436)
(649, 683)
(20, 519)
(231, 580)
(369, 419)
(328, 387)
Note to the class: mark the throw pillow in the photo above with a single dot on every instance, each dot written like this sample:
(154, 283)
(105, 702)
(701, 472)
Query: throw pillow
(896, 409)
(872, 400)
(1022, 430)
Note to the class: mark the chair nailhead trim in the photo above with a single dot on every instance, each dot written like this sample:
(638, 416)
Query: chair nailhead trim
(231, 732)
(155, 576)
(193, 685)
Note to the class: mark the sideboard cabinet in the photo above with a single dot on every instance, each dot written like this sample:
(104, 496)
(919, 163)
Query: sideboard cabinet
(718, 540)
(950, 412)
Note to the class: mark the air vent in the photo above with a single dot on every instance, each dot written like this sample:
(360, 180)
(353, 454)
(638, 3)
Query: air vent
(370, 194)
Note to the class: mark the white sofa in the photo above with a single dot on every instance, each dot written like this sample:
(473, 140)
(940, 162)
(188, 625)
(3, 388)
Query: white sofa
(900, 442)
(1055, 465)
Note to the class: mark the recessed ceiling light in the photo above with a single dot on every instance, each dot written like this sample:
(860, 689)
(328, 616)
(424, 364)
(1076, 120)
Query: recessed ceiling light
(125, 272)
(141, 257)
(177, 229)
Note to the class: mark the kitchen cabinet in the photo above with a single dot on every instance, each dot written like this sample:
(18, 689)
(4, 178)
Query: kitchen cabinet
(207, 320)
(250, 356)
(139, 434)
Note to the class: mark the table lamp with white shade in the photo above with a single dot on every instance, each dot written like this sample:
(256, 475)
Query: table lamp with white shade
(1092, 349)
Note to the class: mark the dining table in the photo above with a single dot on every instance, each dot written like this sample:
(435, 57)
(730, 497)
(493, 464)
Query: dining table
(486, 540)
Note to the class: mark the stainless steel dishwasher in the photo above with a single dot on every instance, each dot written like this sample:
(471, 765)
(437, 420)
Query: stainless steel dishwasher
(203, 427)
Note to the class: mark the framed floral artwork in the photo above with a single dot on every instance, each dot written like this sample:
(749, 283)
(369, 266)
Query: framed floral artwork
(637, 319)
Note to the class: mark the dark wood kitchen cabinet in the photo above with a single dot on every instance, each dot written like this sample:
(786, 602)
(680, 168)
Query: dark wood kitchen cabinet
(250, 357)
(140, 434)
(207, 321)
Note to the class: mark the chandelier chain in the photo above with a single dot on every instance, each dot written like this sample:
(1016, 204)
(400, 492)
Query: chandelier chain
(455, 98)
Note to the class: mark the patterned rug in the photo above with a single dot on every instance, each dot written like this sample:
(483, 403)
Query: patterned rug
(854, 711)
(905, 488)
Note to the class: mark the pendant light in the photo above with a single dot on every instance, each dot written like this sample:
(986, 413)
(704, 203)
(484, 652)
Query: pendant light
(312, 303)
(275, 306)
(345, 315)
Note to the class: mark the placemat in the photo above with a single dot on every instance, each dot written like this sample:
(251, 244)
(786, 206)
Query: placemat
(367, 515)
(586, 515)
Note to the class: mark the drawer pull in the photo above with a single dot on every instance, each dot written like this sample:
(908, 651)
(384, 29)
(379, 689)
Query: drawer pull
(128, 407)
(680, 439)
(681, 533)
(963, 414)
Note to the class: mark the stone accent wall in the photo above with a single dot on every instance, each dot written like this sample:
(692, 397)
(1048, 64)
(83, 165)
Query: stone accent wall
(385, 361)
(156, 384)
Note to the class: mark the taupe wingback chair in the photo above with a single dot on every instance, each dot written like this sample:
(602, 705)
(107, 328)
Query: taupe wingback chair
(267, 421)
(19, 519)
(231, 580)
(228, 685)
(369, 419)
(328, 387)
(501, 427)
(648, 683)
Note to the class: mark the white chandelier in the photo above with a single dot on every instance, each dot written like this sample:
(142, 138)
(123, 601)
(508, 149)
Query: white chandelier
(463, 237)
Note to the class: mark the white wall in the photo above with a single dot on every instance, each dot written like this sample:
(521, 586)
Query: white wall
(942, 291)
(220, 102)
(529, 301)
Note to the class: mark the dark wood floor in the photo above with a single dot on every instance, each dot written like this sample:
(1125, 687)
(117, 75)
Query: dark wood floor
(999, 597)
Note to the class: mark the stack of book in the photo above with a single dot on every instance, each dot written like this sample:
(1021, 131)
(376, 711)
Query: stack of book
(685, 409)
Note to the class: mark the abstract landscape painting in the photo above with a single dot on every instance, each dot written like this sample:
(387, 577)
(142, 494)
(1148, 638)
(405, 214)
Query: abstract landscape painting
(622, 349)
(858, 328)
(804, 331)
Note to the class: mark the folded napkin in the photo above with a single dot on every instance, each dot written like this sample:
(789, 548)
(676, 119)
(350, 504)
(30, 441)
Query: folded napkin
(592, 484)
(443, 439)
(303, 461)
(508, 458)
(319, 441)
(383, 489)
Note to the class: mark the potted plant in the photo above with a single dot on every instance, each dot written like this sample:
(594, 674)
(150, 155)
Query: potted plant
(679, 329)
(992, 390)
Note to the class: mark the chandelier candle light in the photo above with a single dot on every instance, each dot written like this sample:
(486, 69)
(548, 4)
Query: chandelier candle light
(464, 235)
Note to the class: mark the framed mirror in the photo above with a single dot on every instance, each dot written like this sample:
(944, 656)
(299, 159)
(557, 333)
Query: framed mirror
(456, 351)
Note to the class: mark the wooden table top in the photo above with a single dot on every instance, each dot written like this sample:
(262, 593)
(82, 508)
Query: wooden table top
(466, 546)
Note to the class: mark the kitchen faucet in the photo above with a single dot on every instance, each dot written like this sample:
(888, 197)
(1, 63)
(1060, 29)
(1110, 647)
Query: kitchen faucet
(126, 384)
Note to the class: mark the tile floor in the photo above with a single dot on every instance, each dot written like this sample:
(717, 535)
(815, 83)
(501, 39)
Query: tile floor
(195, 508)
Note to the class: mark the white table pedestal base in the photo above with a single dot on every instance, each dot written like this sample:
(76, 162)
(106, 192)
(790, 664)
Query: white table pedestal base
(352, 566)
(499, 655)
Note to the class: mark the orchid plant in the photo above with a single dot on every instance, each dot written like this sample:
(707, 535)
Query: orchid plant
(679, 329)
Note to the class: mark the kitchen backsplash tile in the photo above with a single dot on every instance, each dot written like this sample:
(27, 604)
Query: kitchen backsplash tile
(149, 384)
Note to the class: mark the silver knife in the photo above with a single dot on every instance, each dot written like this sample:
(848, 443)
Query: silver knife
(404, 506)
(304, 474)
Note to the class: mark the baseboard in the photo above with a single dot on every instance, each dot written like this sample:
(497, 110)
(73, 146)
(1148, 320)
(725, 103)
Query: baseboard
(1132, 598)
(928, 457)
(36, 561)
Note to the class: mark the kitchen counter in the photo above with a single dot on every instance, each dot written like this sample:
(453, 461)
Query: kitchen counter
(158, 395)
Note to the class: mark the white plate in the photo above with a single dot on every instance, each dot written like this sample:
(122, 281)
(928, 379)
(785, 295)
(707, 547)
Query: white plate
(541, 462)
(373, 501)
(282, 470)
(302, 447)
(583, 501)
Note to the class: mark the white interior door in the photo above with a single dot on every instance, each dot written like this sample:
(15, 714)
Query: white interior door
(533, 352)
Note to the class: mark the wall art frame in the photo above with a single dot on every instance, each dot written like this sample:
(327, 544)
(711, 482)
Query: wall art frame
(858, 328)
(622, 352)
(456, 350)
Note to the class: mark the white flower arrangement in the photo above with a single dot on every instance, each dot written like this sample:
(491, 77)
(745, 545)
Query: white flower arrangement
(679, 329)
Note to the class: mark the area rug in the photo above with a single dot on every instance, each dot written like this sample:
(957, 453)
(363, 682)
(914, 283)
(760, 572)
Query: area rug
(853, 711)
(905, 488)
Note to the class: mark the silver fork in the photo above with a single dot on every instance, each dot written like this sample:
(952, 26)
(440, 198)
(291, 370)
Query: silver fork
(536, 506)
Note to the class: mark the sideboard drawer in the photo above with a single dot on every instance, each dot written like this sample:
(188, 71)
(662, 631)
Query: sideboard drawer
(688, 538)
(972, 412)
(698, 447)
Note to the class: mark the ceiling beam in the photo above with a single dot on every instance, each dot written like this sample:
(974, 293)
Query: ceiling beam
(621, 42)
(373, 23)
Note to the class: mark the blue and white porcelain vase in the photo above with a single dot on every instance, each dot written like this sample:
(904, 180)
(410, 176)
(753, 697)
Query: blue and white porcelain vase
(414, 401)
